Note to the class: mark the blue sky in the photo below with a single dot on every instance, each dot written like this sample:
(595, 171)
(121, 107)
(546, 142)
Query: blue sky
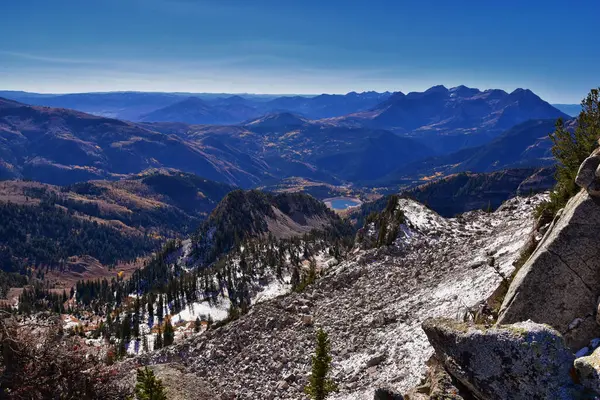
(293, 46)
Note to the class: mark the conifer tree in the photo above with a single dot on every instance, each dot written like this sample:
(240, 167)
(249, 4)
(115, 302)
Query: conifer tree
(158, 340)
(169, 333)
(319, 386)
(122, 349)
(571, 148)
(151, 308)
(145, 343)
(295, 279)
(382, 232)
(160, 309)
(148, 387)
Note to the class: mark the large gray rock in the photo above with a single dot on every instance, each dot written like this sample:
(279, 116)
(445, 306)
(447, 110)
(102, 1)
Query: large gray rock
(519, 361)
(588, 371)
(386, 394)
(586, 175)
(560, 282)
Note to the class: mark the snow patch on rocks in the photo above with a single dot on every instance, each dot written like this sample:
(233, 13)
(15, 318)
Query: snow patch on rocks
(372, 305)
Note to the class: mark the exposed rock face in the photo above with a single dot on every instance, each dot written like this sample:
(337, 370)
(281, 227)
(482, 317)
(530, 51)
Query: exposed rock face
(519, 361)
(437, 385)
(560, 283)
(588, 371)
(587, 176)
(386, 394)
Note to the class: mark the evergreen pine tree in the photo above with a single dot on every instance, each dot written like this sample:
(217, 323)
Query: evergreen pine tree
(160, 309)
(169, 333)
(382, 232)
(122, 349)
(151, 309)
(295, 279)
(319, 386)
(571, 148)
(158, 340)
(148, 387)
(145, 343)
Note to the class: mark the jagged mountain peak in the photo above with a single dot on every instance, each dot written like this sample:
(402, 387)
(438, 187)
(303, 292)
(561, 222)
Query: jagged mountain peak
(453, 119)
(524, 94)
(437, 89)
(463, 91)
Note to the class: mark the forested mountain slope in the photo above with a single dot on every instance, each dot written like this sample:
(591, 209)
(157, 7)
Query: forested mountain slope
(110, 221)
(250, 214)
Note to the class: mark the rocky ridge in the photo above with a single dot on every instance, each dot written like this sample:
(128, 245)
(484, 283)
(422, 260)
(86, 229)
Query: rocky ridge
(372, 306)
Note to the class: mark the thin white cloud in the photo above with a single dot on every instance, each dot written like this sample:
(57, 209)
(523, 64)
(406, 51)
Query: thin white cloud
(43, 58)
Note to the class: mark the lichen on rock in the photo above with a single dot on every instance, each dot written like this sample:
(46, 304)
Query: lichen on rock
(520, 361)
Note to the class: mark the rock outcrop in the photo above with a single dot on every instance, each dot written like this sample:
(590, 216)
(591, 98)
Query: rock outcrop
(588, 371)
(436, 385)
(520, 361)
(560, 283)
(587, 176)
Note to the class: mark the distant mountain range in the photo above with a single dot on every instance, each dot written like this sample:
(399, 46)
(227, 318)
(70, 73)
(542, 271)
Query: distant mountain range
(452, 119)
(62, 146)
(200, 108)
(293, 146)
(383, 139)
(571, 109)
(525, 145)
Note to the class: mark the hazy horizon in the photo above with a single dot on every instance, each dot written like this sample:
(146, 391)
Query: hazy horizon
(267, 95)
